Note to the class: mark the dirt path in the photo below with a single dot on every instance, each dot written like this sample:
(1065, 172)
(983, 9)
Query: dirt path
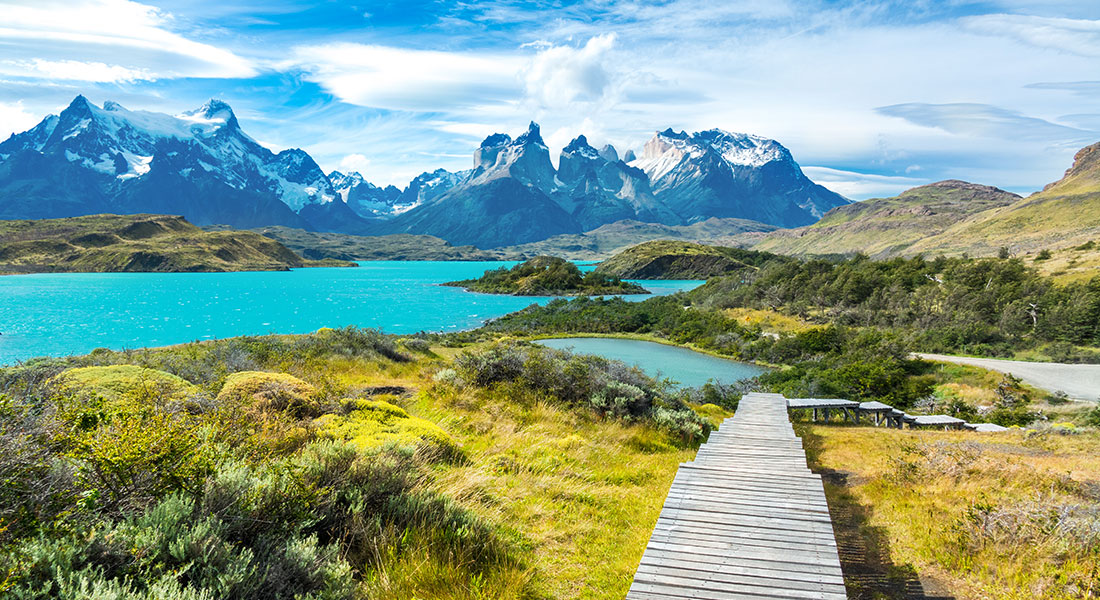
(1081, 382)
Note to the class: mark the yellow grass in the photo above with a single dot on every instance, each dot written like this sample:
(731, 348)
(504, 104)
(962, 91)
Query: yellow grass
(975, 512)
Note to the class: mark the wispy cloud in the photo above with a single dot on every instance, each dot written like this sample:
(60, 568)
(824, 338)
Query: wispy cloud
(853, 184)
(1076, 36)
(105, 40)
(984, 120)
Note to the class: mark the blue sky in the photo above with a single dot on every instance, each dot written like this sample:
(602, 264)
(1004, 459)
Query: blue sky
(872, 97)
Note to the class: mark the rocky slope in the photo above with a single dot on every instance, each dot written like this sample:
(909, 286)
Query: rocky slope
(136, 243)
(1065, 213)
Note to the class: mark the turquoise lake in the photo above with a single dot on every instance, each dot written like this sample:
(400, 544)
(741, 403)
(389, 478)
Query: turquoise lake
(685, 367)
(74, 313)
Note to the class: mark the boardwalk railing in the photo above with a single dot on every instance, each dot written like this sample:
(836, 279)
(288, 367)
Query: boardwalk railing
(745, 520)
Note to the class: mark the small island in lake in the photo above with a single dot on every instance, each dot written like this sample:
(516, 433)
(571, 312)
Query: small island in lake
(548, 276)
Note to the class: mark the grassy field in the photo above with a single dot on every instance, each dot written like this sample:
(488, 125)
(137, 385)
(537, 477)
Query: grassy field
(1002, 516)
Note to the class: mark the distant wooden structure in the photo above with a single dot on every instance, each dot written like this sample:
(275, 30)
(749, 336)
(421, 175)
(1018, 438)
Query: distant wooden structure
(848, 408)
(877, 411)
(883, 414)
(746, 519)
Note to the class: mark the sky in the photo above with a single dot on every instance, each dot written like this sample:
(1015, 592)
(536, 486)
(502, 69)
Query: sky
(871, 97)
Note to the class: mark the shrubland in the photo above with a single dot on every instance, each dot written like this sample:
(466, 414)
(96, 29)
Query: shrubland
(340, 464)
(847, 328)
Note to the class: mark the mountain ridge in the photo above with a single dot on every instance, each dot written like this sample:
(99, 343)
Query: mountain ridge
(201, 164)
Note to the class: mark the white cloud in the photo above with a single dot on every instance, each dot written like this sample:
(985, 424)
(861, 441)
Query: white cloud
(407, 79)
(15, 119)
(113, 40)
(560, 76)
(355, 162)
(74, 70)
(860, 186)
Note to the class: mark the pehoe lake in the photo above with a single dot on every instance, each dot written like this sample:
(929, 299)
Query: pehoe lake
(74, 313)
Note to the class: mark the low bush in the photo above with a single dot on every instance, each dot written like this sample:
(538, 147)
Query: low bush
(608, 388)
(373, 424)
(270, 393)
(124, 382)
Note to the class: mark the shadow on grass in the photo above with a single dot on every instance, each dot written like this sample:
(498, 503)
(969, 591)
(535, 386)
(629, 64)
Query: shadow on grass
(869, 573)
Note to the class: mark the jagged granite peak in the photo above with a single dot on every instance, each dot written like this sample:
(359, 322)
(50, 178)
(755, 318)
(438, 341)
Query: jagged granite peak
(596, 189)
(526, 158)
(365, 198)
(716, 173)
(629, 156)
(608, 152)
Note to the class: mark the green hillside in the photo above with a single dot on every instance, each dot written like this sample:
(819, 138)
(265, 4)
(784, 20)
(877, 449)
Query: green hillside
(1064, 214)
(668, 259)
(137, 243)
(883, 227)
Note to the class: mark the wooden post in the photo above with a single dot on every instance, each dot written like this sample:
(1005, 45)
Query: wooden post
(826, 411)
(815, 415)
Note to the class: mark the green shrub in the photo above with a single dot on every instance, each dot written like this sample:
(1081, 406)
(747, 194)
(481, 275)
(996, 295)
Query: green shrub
(118, 383)
(270, 393)
(373, 424)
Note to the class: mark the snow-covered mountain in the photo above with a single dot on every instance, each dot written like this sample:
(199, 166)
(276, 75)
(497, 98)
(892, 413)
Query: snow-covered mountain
(199, 164)
(715, 173)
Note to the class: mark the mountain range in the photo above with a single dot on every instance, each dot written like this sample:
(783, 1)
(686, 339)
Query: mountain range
(201, 164)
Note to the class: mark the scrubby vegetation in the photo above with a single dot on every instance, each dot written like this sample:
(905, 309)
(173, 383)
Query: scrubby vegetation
(846, 328)
(548, 276)
(133, 243)
(332, 465)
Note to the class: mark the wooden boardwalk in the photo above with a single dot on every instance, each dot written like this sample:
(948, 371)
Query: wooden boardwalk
(745, 520)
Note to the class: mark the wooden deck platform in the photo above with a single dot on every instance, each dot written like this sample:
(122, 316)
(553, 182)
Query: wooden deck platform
(745, 520)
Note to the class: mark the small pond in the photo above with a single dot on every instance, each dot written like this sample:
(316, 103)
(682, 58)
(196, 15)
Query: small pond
(685, 367)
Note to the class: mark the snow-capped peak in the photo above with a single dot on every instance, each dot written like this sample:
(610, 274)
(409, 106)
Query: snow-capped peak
(668, 149)
(744, 149)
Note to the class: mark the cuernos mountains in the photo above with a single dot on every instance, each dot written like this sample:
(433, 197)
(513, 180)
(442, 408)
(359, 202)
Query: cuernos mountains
(201, 164)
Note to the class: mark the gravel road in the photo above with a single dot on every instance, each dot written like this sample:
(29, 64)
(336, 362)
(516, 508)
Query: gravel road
(1081, 382)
